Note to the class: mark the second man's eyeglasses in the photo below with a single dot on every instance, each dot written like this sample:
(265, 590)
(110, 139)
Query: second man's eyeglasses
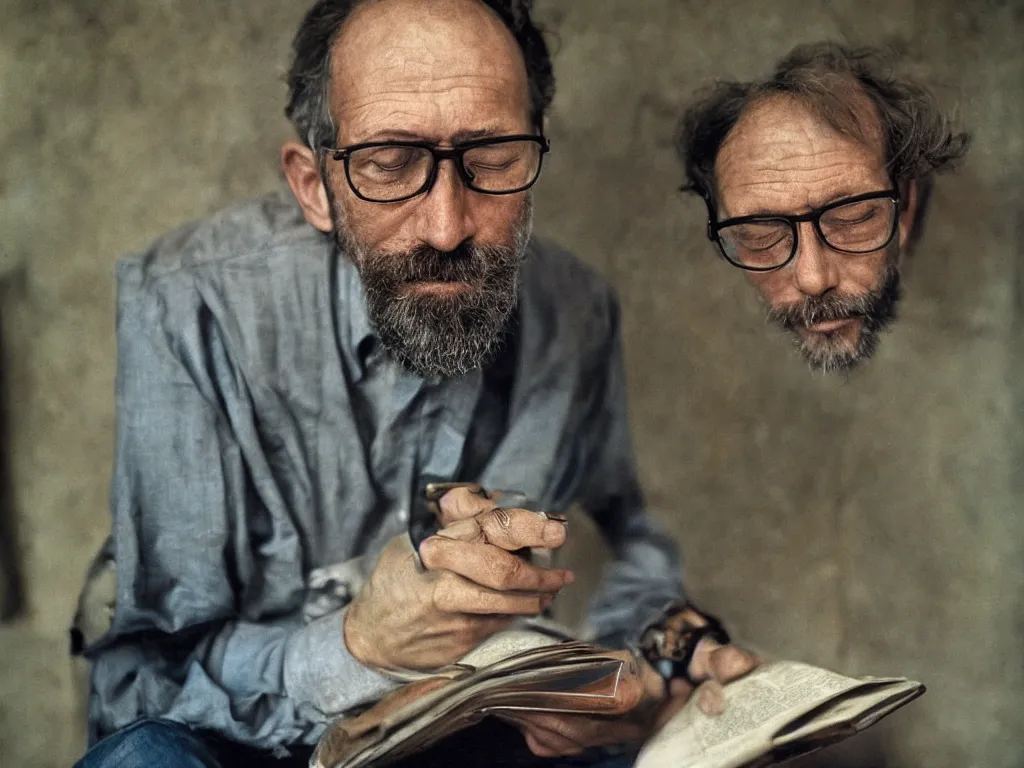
(855, 225)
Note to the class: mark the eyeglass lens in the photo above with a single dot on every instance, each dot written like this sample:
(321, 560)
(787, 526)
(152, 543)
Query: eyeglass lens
(858, 227)
(393, 172)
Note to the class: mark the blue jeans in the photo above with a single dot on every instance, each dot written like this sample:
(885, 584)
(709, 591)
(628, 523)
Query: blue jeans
(164, 744)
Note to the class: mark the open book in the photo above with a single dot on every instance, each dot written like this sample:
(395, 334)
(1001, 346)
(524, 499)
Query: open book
(780, 710)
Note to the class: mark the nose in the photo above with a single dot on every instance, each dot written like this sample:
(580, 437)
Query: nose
(444, 219)
(815, 269)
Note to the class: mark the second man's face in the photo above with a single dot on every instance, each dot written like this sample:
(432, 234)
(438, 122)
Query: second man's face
(780, 158)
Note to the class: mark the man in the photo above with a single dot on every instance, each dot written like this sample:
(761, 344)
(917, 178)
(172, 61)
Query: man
(816, 182)
(291, 370)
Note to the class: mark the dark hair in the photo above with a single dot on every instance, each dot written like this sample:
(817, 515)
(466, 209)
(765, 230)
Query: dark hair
(310, 74)
(832, 80)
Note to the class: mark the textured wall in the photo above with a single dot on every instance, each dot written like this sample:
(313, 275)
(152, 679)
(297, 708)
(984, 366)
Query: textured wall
(872, 524)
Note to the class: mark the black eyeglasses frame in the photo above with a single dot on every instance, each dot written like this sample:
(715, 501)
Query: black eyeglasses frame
(456, 154)
(813, 216)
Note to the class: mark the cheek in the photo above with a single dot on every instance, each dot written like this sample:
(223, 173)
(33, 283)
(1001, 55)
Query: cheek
(375, 225)
(496, 216)
(863, 274)
(773, 287)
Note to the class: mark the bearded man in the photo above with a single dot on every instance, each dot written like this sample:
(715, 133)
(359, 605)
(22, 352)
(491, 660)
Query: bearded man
(291, 371)
(816, 182)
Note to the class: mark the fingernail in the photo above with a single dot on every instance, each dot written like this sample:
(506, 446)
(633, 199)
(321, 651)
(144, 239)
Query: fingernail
(568, 577)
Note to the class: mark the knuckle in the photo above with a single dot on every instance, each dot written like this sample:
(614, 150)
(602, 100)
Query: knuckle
(455, 495)
(460, 503)
(728, 661)
(496, 523)
(432, 552)
(511, 574)
(449, 504)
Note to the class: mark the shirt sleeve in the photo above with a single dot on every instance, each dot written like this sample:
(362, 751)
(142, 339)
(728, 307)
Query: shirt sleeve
(208, 627)
(645, 573)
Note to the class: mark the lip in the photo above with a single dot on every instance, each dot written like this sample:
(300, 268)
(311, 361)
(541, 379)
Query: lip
(439, 287)
(830, 326)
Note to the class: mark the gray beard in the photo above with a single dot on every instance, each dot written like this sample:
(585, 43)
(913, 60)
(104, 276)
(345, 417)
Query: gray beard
(441, 335)
(877, 310)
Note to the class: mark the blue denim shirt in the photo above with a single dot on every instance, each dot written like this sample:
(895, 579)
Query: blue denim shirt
(265, 451)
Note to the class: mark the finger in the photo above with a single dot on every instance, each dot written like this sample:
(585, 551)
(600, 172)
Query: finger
(463, 503)
(711, 698)
(455, 594)
(510, 529)
(728, 663)
(548, 744)
(541, 741)
(463, 530)
(490, 566)
(679, 694)
(514, 529)
(561, 731)
(678, 688)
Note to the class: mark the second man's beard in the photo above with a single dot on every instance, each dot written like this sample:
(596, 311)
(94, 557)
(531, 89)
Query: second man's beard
(876, 310)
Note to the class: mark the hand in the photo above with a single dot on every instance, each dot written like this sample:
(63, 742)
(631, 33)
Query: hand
(713, 665)
(472, 587)
(640, 696)
(646, 704)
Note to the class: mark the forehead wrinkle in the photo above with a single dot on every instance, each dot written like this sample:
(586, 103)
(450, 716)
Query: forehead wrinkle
(415, 88)
(428, 69)
(409, 111)
(790, 161)
(422, 60)
(417, 39)
(836, 169)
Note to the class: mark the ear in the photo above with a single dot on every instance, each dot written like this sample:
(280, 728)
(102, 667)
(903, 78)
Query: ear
(303, 173)
(908, 214)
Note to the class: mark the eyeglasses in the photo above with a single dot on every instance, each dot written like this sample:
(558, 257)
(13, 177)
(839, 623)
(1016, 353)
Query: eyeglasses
(393, 171)
(860, 224)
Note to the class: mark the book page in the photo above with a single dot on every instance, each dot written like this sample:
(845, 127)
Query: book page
(756, 706)
(505, 644)
(859, 709)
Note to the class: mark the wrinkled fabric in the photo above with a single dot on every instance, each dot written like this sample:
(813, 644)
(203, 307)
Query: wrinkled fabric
(264, 438)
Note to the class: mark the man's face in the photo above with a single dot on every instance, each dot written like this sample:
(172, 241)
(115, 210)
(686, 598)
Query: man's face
(441, 269)
(782, 159)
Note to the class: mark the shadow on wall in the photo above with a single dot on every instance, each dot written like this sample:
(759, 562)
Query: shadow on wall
(12, 596)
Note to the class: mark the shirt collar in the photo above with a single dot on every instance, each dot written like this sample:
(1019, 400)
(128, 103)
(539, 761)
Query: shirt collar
(358, 338)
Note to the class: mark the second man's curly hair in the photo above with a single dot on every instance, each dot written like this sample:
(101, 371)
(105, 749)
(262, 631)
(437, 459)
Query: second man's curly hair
(310, 73)
(832, 80)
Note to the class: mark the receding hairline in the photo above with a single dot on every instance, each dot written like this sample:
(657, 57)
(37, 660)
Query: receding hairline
(863, 126)
(448, 11)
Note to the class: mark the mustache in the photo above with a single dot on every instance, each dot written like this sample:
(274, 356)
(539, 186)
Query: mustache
(874, 306)
(467, 263)
(821, 309)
